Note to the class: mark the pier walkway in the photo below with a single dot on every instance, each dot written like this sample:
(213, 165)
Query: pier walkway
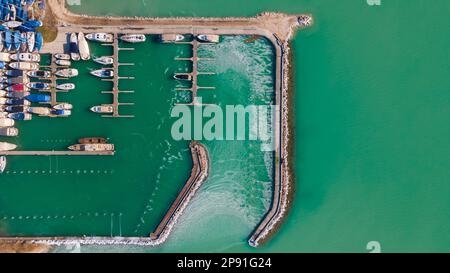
(195, 73)
(115, 80)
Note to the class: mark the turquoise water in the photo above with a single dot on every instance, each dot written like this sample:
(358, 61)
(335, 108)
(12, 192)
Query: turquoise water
(371, 129)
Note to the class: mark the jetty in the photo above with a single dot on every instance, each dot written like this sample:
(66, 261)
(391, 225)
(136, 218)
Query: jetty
(195, 73)
(115, 80)
(278, 28)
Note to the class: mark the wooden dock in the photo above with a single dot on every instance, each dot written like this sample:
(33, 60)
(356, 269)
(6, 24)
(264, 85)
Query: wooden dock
(195, 73)
(48, 153)
(53, 67)
(115, 80)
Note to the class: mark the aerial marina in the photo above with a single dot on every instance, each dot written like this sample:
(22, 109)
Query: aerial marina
(38, 77)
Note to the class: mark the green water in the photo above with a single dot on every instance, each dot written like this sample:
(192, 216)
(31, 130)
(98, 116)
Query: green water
(371, 133)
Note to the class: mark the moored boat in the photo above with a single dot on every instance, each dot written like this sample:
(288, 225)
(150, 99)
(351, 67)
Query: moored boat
(92, 140)
(14, 73)
(17, 88)
(17, 95)
(26, 57)
(73, 46)
(60, 113)
(62, 56)
(182, 76)
(16, 109)
(12, 24)
(95, 147)
(38, 74)
(5, 146)
(63, 106)
(18, 102)
(67, 73)
(20, 116)
(30, 41)
(65, 86)
(103, 73)
(171, 38)
(105, 60)
(2, 163)
(63, 62)
(24, 66)
(38, 98)
(38, 85)
(103, 109)
(17, 40)
(6, 122)
(100, 37)
(9, 131)
(42, 111)
(209, 38)
(4, 57)
(133, 38)
(38, 41)
(83, 47)
(8, 40)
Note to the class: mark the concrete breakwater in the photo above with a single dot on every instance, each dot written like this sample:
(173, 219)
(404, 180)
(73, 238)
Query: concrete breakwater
(200, 170)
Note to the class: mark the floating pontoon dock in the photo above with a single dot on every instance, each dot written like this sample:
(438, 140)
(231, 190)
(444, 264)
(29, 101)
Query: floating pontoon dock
(115, 91)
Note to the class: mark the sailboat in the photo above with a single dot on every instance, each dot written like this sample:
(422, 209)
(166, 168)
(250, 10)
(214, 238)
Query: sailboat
(2, 163)
(105, 60)
(83, 47)
(74, 51)
(5, 146)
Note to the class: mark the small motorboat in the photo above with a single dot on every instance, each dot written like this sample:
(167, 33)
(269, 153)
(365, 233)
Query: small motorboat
(14, 73)
(17, 88)
(62, 56)
(20, 116)
(74, 51)
(171, 38)
(5, 146)
(18, 80)
(9, 131)
(133, 38)
(83, 47)
(92, 147)
(63, 106)
(67, 73)
(103, 109)
(63, 62)
(92, 140)
(2, 93)
(26, 57)
(37, 74)
(38, 85)
(12, 24)
(18, 102)
(30, 41)
(16, 109)
(41, 111)
(17, 95)
(100, 37)
(65, 86)
(24, 66)
(4, 57)
(105, 60)
(38, 98)
(209, 38)
(6, 122)
(1, 41)
(103, 73)
(182, 76)
(2, 163)
(60, 113)
(17, 40)
(8, 40)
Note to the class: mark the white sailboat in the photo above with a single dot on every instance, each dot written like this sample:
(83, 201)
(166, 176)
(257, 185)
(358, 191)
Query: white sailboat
(83, 47)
